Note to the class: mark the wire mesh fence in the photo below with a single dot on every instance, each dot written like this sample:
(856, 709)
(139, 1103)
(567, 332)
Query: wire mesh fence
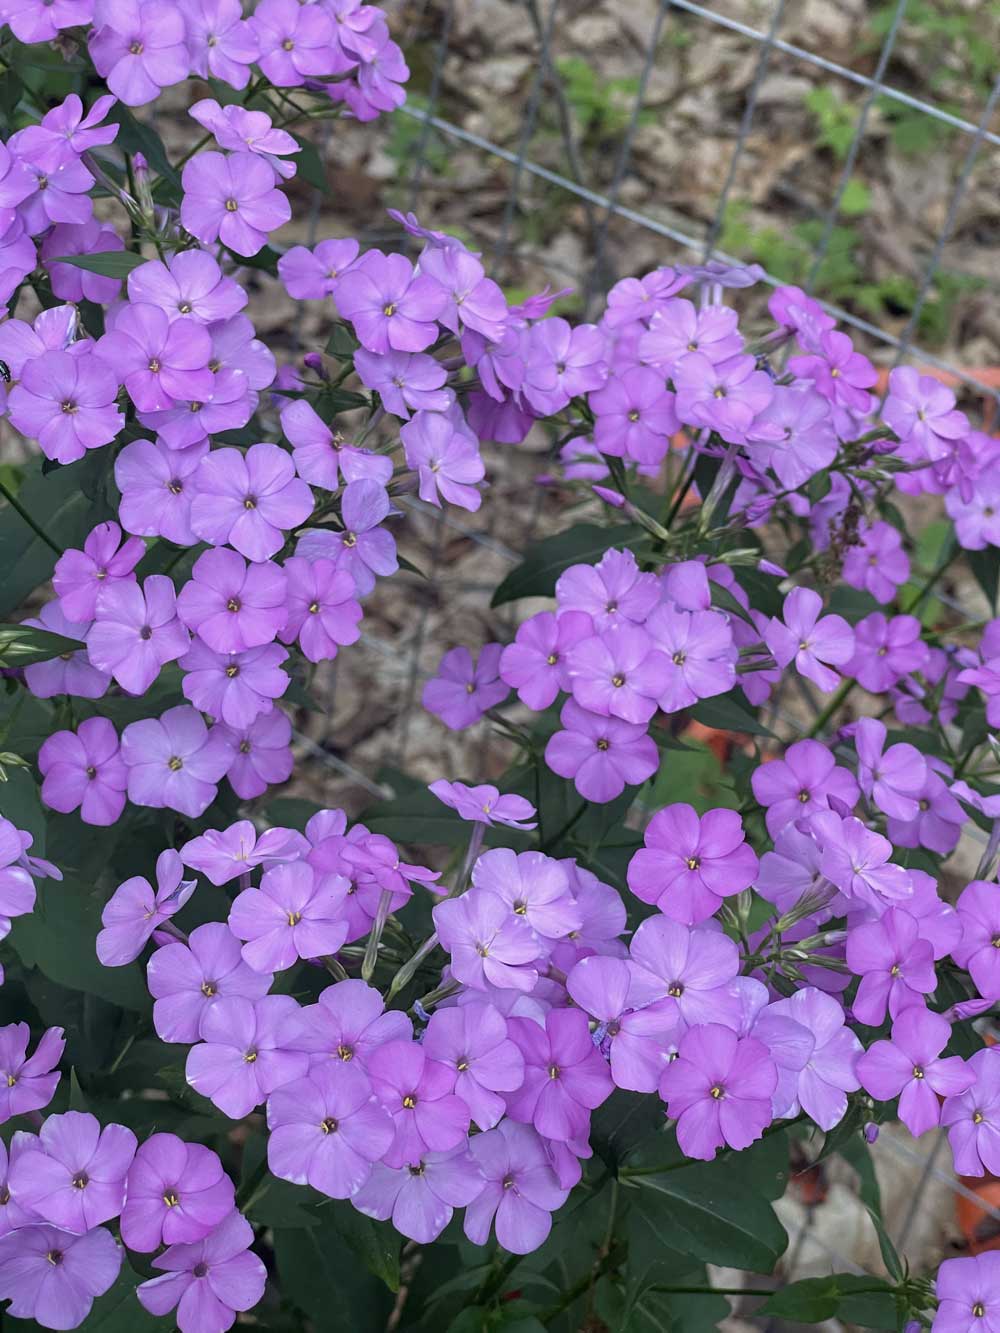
(530, 149)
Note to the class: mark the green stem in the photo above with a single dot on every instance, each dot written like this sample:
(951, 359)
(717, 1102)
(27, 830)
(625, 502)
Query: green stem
(19, 508)
(832, 707)
(561, 833)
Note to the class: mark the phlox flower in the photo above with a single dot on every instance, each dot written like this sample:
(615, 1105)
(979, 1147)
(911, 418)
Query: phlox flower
(700, 656)
(418, 1094)
(798, 784)
(323, 614)
(973, 1117)
(185, 980)
(421, 1198)
(157, 485)
(135, 911)
(910, 1067)
(719, 1090)
(637, 1039)
(309, 275)
(174, 761)
(177, 1192)
(472, 1039)
(895, 965)
(484, 804)
(693, 969)
(209, 1280)
(602, 755)
(535, 664)
(232, 199)
(187, 284)
(610, 592)
(389, 305)
(234, 688)
(534, 886)
(690, 863)
(231, 605)
(105, 561)
(70, 673)
(138, 47)
(326, 1130)
(519, 1190)
(446, 459)
(812, 642)
(136, 631)
(890, 778)
(84, 770)
(261, 754)
(294, 914)
(294, 41)
(619, 673)
(54, 1277)
(461, 690)
(348, 1023)
(242, 1056)
(878, 562)
(565, 1077)
(28, 1082)
(489, 945)
(73, 1175)
(66, 403)
(220, 42)
(159, 359)
(249, 500)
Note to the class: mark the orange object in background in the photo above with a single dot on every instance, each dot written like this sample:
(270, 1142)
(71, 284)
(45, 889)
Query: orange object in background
(980, 1230)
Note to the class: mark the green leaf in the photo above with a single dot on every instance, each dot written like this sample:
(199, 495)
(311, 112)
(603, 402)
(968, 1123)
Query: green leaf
(320, 1274)
(376, 1244)
(712, 1218)
(119, 1311)
(725, 714)
(310, 165)
(21, 645)
(19, 802)
(985, 566)
(66, 503)
(545, 560)
(109, 263)
(854, 1298)
(59, 936)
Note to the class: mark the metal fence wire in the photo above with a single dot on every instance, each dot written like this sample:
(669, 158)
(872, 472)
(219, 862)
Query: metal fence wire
(529, 148)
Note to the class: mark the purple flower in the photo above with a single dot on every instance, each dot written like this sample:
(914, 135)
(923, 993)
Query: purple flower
(633, 299)
(220, 43)
(221, 855)
(794, 435)
(690, 863)
(489, 945)
(185, 980)
(484, 805)
(209, 1280)
(231, 605)
(232, 199)
(910, 1067)
(885, 650)
(973, 1117)
(462, 691)
(418, 1094)
(968, 1292)
(719, 1090)
(84, 769)
(309, 275)
(74, 1175)
(895, 965)
(295, 41)
(617, 674)
(519, 1190)
(678, 328)
(693, 968)
(136, 631)
(829, 1073)
(405, 381)
(839, 373)
(17, 888)
(724, 397)
(188, 284)
(921, 410)
(27, 1083)
(322, 611)
(160, 360)
(134, 911)
(445, 455)
(249, 500)
(70, 673)
(476, 302)
(33, 21)
(878, 562)
(242, 1056)
(234, 687)
(799, 784)
(104, 562)
(12, 1215)
(699, 653)
(809, 641)
(421, 1198)
(52, 331)
(177, 1192)
(612, 591)
(472, 1039)
(890, 778)
(637, 1040)
(261, 754)
(174, 761)
(634, 416)
(348, 1023)
(321, 457)
(327, 1130)
(978, 910)
(53, 1276)
(565, 1077)
(534, 886)
(390, 307)
(602, 755)
(70, 283)
(561, 363)
(535, 663)
(157, 485)
(61, 186)
(856, 859)
(66, 403)
(792, 309)
(138, 47)
(294, 914)
(364, 548)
